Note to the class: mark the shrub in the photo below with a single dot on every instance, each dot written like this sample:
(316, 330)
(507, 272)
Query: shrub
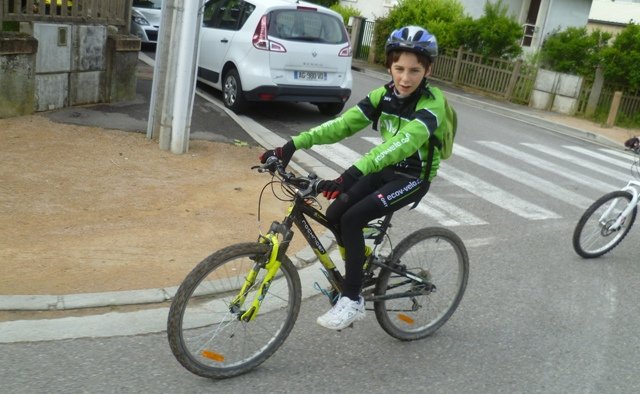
(495, 34)
(437, 16)
(346, 12)
(573, 50)
(621, 61)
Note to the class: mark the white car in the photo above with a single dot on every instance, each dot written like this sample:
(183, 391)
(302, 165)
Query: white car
(275, 50)
(145, 20)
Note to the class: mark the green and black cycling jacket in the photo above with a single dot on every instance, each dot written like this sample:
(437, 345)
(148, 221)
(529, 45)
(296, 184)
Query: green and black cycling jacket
(405, 125)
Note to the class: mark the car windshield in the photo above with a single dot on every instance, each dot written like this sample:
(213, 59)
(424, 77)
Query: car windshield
(153, 4)
(303, 25)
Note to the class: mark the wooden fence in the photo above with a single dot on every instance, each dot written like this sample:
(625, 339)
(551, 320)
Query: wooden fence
(106, 12)
(511, 80)
(628, 111)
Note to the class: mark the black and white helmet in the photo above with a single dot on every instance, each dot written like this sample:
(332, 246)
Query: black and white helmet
(413, 39)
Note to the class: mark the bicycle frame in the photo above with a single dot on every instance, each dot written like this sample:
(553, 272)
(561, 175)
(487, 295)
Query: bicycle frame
(298, 214)
(632, 187)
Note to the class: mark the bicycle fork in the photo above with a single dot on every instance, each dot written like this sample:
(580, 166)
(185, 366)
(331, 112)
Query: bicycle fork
(272, 267)
(623, 215)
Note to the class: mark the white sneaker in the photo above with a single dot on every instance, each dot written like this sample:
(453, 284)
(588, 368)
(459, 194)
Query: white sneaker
(343, 313)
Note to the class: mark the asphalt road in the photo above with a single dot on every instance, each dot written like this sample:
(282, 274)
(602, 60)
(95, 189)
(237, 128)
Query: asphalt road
(535, 318)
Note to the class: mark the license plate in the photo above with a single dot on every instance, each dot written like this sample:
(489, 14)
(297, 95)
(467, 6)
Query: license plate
(310, 75)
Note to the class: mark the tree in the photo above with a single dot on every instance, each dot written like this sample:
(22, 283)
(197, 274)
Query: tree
(346, 12)
(621, 61)
(574, 50)
(495, 34)
(437, 16)
(325, 3)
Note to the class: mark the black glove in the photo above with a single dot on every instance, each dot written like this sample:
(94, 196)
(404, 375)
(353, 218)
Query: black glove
(632, 143)
(283, 153)
(332, 189)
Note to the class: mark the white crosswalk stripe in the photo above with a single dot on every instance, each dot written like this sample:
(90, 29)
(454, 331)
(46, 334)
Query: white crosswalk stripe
(491, 193)
(495, 195)
(599, 156)
(438, 209)
(526, 178)
(542, 167)
(546, 165)
(630, 157)
(446, 213)
(589, 164)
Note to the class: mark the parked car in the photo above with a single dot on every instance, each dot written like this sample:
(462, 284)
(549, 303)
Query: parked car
(275, 50)
(145, 20)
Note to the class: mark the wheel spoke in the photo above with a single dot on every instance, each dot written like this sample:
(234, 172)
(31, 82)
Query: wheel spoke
(594, 234)
(207, 337)
(438, 257)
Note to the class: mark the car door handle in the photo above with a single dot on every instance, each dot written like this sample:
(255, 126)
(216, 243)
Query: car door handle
(224, 41)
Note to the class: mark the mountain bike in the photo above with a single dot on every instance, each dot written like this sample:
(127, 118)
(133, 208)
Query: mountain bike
(608, 220)
(237, 306)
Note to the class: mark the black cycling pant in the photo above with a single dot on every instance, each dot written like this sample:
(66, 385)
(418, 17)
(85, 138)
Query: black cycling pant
(373, 196)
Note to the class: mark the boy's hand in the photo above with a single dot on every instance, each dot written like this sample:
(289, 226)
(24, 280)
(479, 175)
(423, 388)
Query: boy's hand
(283, 153)
(332, 189)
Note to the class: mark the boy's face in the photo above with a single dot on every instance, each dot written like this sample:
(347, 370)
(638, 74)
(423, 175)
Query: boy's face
(407, 73)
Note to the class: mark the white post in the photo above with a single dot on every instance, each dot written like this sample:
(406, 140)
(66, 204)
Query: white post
(172, 94)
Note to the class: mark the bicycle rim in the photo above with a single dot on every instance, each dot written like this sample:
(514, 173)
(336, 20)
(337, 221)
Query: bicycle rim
(437, 255)
(208, 337)
(594, 234)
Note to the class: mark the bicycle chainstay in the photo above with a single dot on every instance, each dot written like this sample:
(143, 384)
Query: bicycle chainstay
(419, 284)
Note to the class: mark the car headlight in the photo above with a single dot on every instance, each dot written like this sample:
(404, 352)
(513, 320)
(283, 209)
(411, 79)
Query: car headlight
(140, 20)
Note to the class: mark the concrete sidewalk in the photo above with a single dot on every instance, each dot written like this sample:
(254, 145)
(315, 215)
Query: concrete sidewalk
(230, 127)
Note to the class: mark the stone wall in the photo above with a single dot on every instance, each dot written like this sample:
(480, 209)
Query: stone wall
(17, 74)
(61, 65)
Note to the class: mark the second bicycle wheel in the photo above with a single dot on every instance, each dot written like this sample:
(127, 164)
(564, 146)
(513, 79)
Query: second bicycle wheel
(205, 331)
(414, 310)
(594, 234)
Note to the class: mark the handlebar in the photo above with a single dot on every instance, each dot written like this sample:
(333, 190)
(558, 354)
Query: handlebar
(306, 186)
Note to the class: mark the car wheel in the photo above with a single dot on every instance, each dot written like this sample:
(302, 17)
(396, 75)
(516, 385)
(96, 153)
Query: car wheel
(330, 109)
(232, 92)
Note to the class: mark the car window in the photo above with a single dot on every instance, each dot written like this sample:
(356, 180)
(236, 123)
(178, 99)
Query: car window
(226, 14)
(303, 25)
(154, 4)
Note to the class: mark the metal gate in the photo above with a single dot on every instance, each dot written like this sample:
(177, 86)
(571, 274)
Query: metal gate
(365, 40)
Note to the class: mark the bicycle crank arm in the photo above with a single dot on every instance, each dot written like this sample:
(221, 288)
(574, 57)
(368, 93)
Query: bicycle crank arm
(395, 296)
(403, 272)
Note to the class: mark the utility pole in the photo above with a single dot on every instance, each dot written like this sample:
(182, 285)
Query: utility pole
(174, 75)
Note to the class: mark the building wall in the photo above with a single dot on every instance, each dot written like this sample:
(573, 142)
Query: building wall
(370, 9)
(475, 8)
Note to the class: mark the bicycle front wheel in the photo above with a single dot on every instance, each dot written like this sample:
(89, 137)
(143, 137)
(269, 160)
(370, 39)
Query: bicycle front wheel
(594, 234)
(412, 310)
(205, 330)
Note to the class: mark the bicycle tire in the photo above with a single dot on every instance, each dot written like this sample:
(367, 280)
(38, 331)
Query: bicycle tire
(209, 339)
(592, 227)
(434, 253)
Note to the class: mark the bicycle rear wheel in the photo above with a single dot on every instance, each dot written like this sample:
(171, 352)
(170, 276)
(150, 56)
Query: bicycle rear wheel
(593, 235)
(437, 255)
(204, 329)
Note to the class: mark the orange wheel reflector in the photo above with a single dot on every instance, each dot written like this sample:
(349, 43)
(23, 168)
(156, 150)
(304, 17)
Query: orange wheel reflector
(405, 318)
(213, 356)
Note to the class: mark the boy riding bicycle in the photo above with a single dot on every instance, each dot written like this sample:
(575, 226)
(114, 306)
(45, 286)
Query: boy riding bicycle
(408, 112)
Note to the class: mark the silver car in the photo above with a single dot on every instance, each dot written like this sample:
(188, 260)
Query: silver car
(145, 20)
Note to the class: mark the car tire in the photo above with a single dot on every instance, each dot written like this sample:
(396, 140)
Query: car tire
(330, 109)
(233, 96)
